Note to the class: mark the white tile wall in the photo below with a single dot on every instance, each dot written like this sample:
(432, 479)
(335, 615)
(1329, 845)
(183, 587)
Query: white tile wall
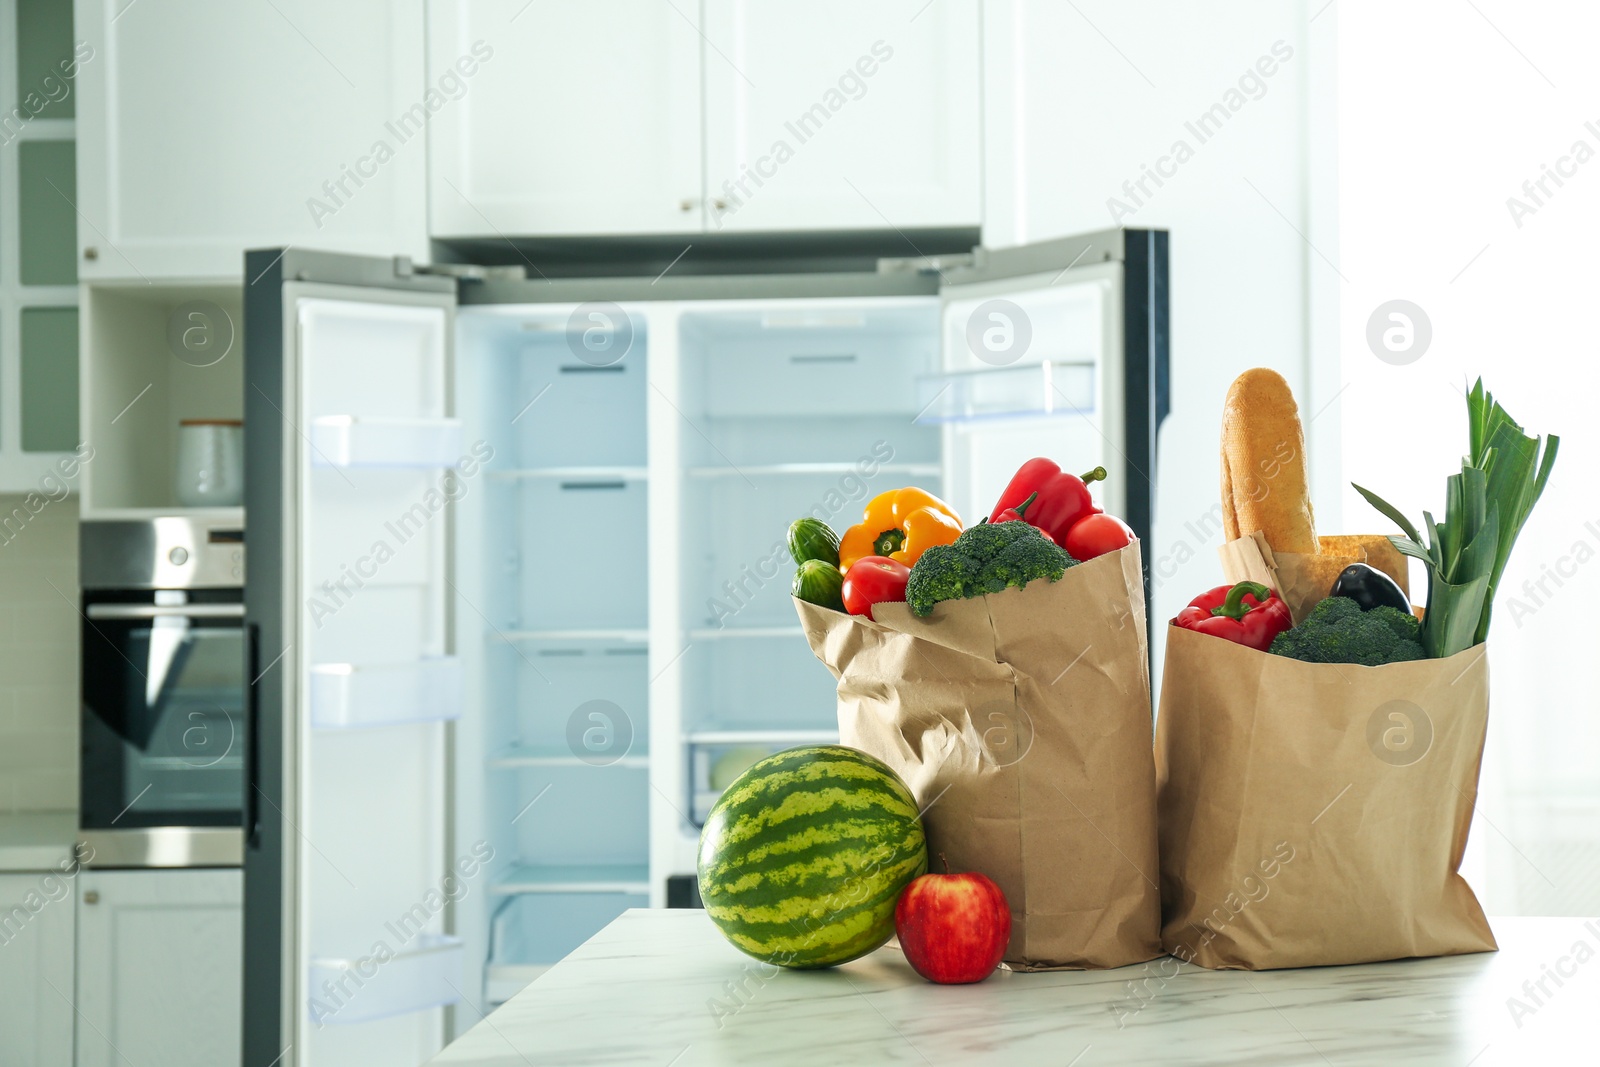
(38, 656)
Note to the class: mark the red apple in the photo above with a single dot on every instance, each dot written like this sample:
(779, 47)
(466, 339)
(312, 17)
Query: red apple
(953, 928)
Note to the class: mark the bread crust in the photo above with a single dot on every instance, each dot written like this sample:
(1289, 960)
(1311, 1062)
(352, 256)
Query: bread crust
(1264, 463)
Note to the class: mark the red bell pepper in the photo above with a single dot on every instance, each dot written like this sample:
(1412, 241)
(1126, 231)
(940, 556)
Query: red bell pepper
(1015, 514)
(1058, 499)
(1248, 614)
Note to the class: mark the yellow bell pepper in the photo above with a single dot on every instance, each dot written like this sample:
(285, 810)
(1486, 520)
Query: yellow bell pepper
(900, 524)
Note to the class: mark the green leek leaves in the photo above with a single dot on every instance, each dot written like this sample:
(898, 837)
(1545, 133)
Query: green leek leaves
(1485, 508)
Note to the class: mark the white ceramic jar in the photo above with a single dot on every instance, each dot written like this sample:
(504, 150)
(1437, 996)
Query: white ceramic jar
(210, 467)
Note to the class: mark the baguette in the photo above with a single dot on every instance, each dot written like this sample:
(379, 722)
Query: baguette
(1230, 518)
(1264, 464)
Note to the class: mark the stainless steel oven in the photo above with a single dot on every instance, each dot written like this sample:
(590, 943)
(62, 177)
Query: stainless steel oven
(163, 692)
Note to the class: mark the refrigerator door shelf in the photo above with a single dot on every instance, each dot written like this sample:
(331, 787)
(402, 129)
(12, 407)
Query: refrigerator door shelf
(352, 441)
(346, 695)
(1028, 390)
(425, 973)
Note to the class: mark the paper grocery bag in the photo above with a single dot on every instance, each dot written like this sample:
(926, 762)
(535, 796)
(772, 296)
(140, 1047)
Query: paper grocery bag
(1303, 580)
(1316, 813)
(1021, 721)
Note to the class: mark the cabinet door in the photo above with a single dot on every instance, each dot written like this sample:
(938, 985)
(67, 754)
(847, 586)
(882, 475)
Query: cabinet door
(205, 129)
(35, 970)
(574, 119)
(839, 114)
(159, 960)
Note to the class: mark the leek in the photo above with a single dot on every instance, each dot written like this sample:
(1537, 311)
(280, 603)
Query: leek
(1486, 506)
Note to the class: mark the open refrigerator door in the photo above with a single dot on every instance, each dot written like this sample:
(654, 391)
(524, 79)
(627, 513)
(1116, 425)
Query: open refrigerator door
(354, 457)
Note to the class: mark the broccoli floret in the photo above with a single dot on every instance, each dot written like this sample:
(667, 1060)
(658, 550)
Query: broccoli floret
(1338, 631)
(1023, 560)
(941, 573)
(986, 558)
(1403, 623)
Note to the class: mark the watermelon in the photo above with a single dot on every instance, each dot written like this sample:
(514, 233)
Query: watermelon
(804, 855)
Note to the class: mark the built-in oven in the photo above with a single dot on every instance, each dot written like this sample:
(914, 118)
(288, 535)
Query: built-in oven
(163, 735)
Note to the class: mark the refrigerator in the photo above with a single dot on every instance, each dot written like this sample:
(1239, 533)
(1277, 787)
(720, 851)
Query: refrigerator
(518, 604)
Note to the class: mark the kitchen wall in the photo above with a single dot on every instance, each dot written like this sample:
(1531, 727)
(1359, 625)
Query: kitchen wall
(1488, 116)
(38, 655)
(1094, 119)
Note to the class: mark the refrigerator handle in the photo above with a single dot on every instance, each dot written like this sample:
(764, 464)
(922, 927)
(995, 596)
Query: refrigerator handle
(252, 761)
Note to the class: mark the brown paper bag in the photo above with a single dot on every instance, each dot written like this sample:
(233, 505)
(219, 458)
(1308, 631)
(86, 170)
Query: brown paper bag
(1021, 721)
(1303, 580)
(1316, 813)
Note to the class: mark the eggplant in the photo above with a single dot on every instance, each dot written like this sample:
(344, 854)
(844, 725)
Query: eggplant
(1370, 588)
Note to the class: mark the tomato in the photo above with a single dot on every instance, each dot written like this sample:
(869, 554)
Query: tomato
(1095, 535)
(874, 580)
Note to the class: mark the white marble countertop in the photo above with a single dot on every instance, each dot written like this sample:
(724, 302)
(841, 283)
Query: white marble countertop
(664, 988)
(37, 841)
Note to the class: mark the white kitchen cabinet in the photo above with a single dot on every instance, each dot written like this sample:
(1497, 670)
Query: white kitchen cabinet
(205, 128)
(35, 970)
(839, 114)
(160, 955)
(575, 119)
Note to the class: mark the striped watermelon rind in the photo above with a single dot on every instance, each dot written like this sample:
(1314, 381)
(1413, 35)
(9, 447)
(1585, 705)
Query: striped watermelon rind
(804, 855)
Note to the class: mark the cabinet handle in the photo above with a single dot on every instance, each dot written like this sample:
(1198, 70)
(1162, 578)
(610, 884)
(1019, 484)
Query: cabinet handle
(720, 205)
(91, 253)
(92, 896)
(685, 204)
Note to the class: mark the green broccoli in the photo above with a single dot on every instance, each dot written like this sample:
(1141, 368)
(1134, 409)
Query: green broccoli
(1338, 631)
(986, 558)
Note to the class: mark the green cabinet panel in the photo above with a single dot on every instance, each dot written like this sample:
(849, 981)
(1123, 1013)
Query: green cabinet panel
(47, 229)
(49, 379)
(44, 53)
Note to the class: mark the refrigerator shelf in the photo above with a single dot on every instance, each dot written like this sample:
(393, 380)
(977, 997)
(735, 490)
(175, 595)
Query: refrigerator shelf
(349, 695)
(601, 636)
(764, 470)
(518, 757)
(529, 933)
(573, 878)
(420, 975)
(1039, 390)
(502, 981)
(735, 736)
(728, 633)
(718, 756)
(573, 474)
(358, 441)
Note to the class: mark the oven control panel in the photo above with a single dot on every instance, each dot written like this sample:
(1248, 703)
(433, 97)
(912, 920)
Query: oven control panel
(167, 552)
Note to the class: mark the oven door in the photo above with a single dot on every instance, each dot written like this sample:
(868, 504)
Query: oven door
(163, 709)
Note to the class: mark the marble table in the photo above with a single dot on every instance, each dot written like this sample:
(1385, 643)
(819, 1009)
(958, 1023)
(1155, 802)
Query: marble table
(663, 988)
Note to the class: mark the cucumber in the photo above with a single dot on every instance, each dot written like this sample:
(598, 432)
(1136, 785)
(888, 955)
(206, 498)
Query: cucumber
(819, 582)
(813, 539)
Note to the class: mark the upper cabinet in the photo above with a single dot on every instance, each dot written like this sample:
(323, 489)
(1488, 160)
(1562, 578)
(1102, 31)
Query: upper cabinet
(839, 114)
(570, 118)
(366, 125)
(205, 129)
(645, 117)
